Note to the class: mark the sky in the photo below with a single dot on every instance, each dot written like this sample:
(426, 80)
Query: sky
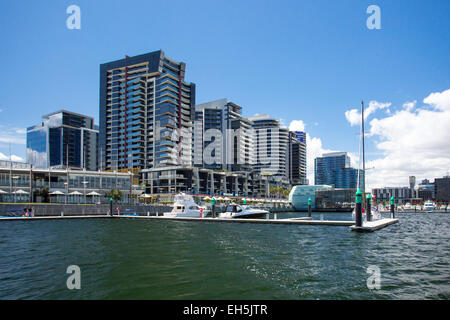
(307, 63)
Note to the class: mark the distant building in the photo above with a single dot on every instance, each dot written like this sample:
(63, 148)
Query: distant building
(334, 169)
(442, 189)
(412, 182)
(64, 139)
(401, 194)
(425, 190)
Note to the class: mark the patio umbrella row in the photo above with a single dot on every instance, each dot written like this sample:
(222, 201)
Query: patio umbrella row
(75, 193)
(56, 193)
(15, 192)
(248, 199)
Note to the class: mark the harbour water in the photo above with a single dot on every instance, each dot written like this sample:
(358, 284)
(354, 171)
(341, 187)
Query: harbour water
(141, 259)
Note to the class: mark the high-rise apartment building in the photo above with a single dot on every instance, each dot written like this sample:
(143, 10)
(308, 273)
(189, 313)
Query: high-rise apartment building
(222, 137)
(296, 158)
(146, 113)
(334, 169)
(63, 140)
(270, 146)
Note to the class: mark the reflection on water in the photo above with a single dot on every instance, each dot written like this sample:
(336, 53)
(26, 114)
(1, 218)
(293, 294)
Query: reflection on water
(136, 259)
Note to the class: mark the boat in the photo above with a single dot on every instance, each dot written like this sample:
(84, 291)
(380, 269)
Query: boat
(429, 206)
(184, 206)
(241, 211)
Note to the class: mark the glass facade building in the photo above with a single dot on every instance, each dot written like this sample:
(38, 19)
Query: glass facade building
(297, 158)
(63, 139)
(334, 169)
(146, 113)
(300, 195)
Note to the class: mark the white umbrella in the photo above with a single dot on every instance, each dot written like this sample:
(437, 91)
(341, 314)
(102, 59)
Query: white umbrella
(76, 193)
(145, 196)
(20, 192)
(3, 192)
(93, 193)
(56, 193)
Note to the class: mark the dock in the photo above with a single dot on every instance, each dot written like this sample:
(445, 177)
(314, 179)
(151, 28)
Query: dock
(370, 226)
(293, 221)
(367, 226)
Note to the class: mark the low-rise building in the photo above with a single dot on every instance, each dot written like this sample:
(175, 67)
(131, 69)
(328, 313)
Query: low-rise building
(21, 182)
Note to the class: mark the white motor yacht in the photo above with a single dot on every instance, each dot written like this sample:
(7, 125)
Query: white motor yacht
(241, 211)
(184, 206)
(429, 206)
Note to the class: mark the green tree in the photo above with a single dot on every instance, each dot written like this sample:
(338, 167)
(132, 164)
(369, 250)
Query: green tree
(116, 194)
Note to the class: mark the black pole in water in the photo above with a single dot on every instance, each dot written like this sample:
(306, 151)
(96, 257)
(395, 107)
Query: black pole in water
(358, 209)
(392, 207)
(309, 207)
(368, 208)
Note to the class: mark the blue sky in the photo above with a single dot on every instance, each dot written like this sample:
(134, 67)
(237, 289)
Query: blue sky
(295, 60)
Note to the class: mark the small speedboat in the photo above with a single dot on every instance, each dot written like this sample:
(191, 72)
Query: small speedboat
(184, 206)
(241, 211)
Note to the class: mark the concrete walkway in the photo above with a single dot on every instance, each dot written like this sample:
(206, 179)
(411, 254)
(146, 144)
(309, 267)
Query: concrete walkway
(374, 225)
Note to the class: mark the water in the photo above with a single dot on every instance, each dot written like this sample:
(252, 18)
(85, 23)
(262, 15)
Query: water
(140, 259)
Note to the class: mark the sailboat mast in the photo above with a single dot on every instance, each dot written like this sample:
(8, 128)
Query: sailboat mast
(363, 151)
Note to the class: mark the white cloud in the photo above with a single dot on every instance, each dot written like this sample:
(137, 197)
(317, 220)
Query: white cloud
(439, 100)
(408, 106)
(297, 125)
(413, 141)
(354, 115)
(13, 157)
(314, 149)
(12, 135)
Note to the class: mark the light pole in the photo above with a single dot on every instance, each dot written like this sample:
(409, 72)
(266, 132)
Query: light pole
(14, 187)
(66, 184)
(84, 183)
